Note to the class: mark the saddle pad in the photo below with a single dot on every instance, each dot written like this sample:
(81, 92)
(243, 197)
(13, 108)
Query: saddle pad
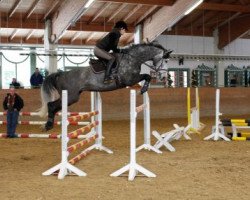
(97, 66)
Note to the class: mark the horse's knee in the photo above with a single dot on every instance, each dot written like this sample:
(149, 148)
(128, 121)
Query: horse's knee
(147, 77)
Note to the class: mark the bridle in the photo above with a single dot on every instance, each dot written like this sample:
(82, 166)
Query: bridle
(153, 67)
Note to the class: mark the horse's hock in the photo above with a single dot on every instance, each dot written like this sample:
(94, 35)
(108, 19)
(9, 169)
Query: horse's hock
(165, 102)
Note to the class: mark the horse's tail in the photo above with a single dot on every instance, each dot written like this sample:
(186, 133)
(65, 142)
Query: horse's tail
(48, 93)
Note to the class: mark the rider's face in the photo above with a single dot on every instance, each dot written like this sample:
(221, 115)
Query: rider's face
(122, 31)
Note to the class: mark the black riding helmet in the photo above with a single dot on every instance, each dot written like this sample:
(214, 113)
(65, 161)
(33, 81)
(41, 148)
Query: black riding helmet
(121, 24)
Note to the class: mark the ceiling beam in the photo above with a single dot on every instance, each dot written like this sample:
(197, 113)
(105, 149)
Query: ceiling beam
(146, 14)
(53, 5)
(29, 34)
(18, 40)
(90, 37)
(100, 11)
(13, 34)
(233, 30)
(31, 9)
(165, 18)
(224, 7)
(132, 12)
(229, 19)
(75, 36)
(145, 2)
(96, 27)
(207, 32)
(68, 14)
(14, 7)
(121, 7)
(15, 23)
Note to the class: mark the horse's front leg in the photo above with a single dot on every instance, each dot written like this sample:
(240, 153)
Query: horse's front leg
(53, 108)
(147, 79)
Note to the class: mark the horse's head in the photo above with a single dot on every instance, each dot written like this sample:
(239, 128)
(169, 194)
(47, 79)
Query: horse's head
(149, 52)
(160, 54)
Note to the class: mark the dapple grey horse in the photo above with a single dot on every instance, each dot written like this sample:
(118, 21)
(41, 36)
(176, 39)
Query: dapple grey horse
(127, 73)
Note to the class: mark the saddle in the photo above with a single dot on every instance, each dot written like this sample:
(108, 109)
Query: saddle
(99, 66)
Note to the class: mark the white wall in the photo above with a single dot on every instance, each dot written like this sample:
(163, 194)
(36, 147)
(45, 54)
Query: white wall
(203, 45)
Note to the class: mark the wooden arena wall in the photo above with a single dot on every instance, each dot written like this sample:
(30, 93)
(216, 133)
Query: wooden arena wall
(165, 102)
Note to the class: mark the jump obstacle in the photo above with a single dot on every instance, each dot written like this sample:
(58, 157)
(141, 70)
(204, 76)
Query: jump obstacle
(194, 125)
(237, 124)
(133, 168)
(218, 129)
(65, 167)
(43, 135)
(193, 114)
(165, 138)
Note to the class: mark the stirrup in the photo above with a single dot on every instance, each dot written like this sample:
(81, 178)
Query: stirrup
(109, 79)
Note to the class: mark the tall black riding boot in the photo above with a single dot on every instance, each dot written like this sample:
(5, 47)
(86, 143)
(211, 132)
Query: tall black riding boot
(107, 77)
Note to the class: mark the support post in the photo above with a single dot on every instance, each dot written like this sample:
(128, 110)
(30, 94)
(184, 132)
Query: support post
(146, 122)
(133, 167)
(218, 129)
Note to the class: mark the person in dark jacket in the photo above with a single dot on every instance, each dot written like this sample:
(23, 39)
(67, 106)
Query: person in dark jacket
(12, 103)
(108, 43)
(36, 79)
(14, 83)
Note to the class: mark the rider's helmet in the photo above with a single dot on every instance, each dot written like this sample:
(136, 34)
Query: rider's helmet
(121, 24)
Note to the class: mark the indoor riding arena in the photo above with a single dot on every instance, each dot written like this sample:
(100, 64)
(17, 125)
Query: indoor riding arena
(169, 119)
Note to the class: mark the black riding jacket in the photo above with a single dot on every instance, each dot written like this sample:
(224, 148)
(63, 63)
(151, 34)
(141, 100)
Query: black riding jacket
(18, 102)
(110, 41)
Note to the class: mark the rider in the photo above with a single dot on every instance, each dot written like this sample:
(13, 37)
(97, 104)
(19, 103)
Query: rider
(110, 42)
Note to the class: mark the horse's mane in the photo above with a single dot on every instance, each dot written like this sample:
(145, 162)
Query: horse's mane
(133, 46)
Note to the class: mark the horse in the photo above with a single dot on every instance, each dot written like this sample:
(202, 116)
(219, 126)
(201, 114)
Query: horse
(126, 73)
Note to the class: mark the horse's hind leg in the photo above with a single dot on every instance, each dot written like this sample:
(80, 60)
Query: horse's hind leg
(147, 79)
(53, 108)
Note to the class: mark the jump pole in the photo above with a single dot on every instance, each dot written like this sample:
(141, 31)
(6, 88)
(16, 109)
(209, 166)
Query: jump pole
(133, 167)
(96, 104)
(146, 122)
(218, 129)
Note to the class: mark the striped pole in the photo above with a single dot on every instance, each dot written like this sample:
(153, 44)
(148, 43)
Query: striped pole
(41, 135)
(73, 123)
(36, 113)
(83, 130)
(82, 117)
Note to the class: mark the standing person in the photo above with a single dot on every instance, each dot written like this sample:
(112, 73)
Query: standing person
(36, 79)
(12, 103)
(110, 42)
(14, 83)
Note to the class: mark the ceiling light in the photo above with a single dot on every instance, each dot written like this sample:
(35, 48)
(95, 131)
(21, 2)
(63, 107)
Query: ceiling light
(88, 3)
(193, 7)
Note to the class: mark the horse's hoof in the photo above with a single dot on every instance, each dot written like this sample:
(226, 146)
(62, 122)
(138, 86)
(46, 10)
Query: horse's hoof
(48, 126)
(143, 91)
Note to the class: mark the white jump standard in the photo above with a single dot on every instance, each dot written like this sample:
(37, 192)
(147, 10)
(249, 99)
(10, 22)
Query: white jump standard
(146, 122)
(217, 130)
(133, 167)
